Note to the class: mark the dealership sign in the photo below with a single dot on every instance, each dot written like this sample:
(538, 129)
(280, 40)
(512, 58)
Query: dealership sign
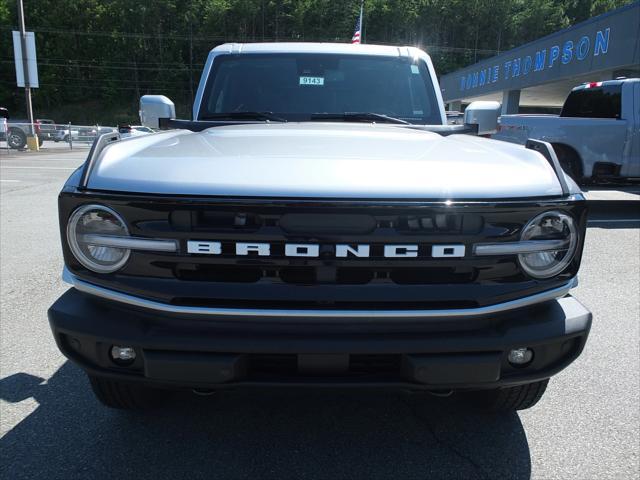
(603, 45)
(542, 59)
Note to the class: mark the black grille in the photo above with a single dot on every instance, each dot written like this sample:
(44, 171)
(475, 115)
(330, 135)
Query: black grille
(378, 229)
(278, 281)
(218, 273)
(322, 274)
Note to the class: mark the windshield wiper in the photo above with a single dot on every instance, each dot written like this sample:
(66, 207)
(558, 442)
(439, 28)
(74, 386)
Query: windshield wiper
(243, 116)
(358, 117)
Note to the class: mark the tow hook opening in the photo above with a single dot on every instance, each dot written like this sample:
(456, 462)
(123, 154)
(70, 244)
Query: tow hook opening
(440, 393)
(203, 392)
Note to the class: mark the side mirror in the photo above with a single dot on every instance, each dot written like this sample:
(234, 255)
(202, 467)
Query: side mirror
(4, 113)
(484, 115)
(154, 107)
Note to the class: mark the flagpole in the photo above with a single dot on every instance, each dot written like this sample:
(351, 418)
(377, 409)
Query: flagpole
(358, 33)
(362, 19)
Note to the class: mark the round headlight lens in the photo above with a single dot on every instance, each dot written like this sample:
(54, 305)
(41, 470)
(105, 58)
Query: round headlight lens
(549, 226)
(91, 220)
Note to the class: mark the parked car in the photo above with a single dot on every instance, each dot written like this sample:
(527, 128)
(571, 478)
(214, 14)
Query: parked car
(80, 134)
(87, 134)
(318, 223)
(597, 134)
(47, 129)
(4, 114)
(62, 135)
(133, 130)
(17, 131)
(455, 118)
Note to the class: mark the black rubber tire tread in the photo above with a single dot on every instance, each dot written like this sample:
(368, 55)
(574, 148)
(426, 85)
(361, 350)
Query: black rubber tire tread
(509, 399)
(19, 133)
(124, 395)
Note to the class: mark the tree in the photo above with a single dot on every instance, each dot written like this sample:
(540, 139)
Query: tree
(96, 57)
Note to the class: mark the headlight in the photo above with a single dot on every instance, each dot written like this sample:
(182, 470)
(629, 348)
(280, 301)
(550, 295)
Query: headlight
(91, 220)
(549, 226)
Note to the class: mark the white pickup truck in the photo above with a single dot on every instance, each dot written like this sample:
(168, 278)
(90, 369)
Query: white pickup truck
(597, 134)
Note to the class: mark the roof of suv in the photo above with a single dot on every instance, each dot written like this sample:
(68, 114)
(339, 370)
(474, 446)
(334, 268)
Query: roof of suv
(302, 47)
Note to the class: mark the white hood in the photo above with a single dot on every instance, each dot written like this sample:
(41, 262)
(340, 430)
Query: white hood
(323, 160)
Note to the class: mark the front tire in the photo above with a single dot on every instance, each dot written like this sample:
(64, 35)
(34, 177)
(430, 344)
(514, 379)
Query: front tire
(508, 399)
(124, 395)
(16, 139)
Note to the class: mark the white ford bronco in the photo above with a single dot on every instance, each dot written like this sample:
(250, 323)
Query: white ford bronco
(318, 224)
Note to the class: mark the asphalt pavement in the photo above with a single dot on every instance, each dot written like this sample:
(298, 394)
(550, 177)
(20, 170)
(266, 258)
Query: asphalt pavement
(586, 426)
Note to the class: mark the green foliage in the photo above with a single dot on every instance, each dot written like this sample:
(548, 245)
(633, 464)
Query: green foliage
(4, 11)
(97, 57)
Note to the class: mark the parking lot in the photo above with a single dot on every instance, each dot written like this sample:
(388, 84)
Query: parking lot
(586, 427)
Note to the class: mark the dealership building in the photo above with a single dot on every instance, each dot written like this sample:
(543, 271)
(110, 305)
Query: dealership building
(542, 73)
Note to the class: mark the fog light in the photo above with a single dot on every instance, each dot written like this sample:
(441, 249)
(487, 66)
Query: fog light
(520, 356)
(123, 355)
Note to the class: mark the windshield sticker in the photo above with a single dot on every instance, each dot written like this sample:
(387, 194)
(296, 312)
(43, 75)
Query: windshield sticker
(415, 69)
(315, 81)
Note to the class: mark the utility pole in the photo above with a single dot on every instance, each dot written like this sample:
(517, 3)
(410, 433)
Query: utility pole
(25, 65)
(191, 51)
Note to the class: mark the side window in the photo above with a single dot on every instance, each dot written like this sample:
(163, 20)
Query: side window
(599, 102)
(219, 91)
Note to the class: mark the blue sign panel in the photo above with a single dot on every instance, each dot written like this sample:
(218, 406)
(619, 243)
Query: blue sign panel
(610, 41)
(539, 61)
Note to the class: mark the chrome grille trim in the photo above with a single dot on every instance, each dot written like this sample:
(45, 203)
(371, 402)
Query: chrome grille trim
(515, 248)
(131, 243)
(333, 316)
(479, 249)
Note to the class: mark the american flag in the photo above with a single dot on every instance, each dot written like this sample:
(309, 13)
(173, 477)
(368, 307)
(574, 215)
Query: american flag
(356, 40)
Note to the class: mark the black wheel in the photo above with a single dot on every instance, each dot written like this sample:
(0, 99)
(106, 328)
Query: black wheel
(124, 395)
(508, 399)
(570, 162)
(16, 139)
(66, 139)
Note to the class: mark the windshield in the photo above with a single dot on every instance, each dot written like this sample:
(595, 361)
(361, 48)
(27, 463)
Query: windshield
(297, 86)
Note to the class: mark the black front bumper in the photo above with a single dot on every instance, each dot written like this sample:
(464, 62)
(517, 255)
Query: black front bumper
(195, 352)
